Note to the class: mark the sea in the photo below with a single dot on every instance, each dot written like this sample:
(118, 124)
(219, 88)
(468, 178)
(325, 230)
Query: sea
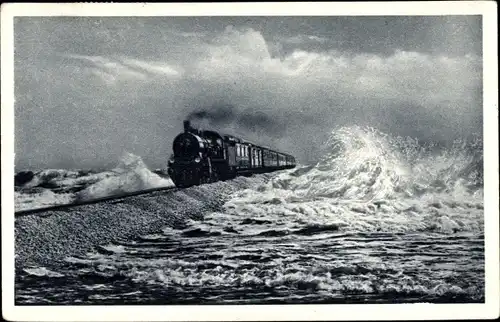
(377, 219)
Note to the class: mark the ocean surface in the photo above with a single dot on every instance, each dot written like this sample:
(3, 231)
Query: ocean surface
(378, 219)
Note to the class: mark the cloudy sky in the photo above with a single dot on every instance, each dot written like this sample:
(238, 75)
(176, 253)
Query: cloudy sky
(88, 89)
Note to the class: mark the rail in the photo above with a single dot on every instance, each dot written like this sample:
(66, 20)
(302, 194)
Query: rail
(92, 201)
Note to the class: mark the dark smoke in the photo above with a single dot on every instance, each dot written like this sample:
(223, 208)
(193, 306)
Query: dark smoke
(224, 115)
(216, 114)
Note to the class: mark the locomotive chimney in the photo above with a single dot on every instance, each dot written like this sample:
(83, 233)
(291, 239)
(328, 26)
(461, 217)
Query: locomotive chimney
(187, 126)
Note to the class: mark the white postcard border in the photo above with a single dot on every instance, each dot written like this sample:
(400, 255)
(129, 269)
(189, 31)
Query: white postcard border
(490, 309)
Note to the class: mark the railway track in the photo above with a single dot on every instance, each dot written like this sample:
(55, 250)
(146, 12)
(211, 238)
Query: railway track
(92, 201)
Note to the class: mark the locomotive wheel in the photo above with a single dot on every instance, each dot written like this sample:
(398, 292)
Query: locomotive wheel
(215, 175)
(187, 178)
(203, 179)
(198, 177)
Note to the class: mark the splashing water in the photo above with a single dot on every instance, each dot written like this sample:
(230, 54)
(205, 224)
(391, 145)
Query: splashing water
(59, 186)
(377, 220)
(368, 180)
(131, 175)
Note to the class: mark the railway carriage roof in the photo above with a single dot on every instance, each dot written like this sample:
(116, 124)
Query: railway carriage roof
(235, 139)
(238, 140)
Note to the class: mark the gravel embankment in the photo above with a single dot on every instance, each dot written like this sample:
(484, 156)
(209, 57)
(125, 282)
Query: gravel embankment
(46, 238)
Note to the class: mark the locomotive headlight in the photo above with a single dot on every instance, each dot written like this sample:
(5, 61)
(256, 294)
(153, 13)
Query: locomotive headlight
(197, 160)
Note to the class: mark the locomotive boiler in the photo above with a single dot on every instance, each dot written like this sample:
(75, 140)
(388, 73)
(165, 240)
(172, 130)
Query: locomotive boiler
(203, 156)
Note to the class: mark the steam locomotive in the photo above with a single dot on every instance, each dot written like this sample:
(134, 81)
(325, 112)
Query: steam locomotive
(202, 156)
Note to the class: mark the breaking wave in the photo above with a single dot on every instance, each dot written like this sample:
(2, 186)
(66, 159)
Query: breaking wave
(131, 175)
(60, 186)
(369, 181)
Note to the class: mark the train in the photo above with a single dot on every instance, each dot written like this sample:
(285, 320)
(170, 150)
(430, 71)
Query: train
(205, 156)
